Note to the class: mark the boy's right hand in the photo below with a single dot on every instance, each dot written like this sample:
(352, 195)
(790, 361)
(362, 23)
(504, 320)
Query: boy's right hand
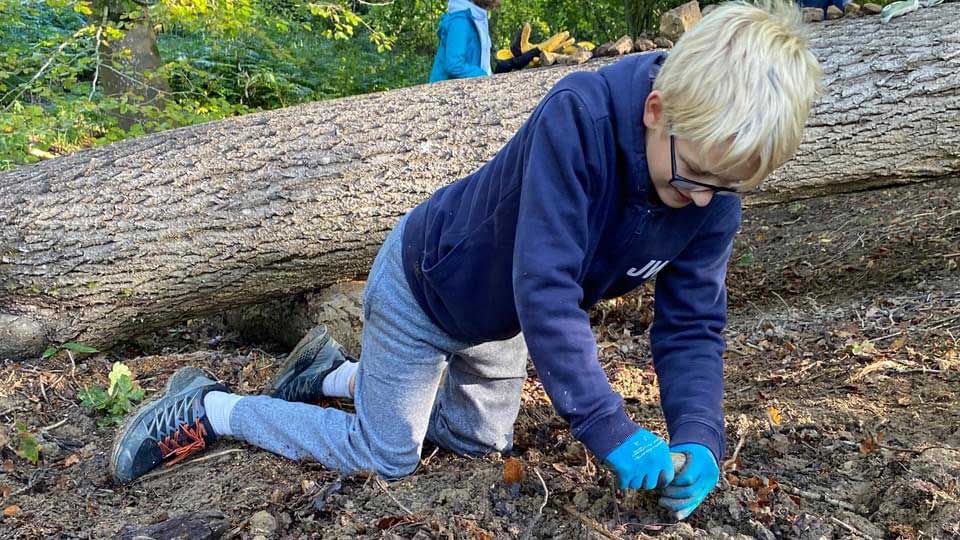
(642, 462)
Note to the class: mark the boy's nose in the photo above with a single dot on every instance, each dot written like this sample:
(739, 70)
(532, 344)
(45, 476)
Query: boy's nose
(701, 198)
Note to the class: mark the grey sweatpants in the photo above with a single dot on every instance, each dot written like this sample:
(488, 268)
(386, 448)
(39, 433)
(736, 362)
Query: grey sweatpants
(398, 397)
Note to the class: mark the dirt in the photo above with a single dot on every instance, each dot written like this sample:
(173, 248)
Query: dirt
(843, 369)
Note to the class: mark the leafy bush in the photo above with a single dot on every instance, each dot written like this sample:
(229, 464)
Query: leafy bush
(222, 58)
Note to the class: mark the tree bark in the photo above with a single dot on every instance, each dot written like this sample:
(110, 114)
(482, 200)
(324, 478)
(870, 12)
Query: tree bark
(131, 237)
(202, 525)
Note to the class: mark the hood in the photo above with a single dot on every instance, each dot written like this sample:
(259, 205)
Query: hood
(630, 81)
(481, 22)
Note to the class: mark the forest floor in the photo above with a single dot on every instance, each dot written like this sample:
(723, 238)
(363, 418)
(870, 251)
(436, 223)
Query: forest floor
(842, 379)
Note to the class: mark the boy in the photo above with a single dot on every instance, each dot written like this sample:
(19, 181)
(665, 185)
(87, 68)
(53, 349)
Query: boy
(617, 176)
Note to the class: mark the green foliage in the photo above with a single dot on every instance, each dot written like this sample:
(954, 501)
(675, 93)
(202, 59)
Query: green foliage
(117, 400)
(603, 21)
(70, 346)
(222, 58)
(28, 448)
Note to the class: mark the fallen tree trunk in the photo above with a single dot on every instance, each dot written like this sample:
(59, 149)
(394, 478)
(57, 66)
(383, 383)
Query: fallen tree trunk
(135, 236)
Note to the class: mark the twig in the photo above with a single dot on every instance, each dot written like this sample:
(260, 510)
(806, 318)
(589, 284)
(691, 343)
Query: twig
(73, 367)
(164, 471)
(824, 498)
(849, 527)
(23, 87)
(888, 336)
(781, 299)
(595, 525)
(426, 461)
(546, 496)
(53, 426)
(43, 391)
(96, 51)
(941, 323)
(914, 450)
(123, 75)
(383, 486)
(30, 483)
(736, 451)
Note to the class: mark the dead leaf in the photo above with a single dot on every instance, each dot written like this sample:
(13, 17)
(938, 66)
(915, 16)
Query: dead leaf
(8, 465)
(5, 491)
(898, 343)
(512, 471)
(71, 460)
(11, 511)
(870, 443)
(864, 348)
(876, 366)
(392, 521)
(774, 416)
(752, 482)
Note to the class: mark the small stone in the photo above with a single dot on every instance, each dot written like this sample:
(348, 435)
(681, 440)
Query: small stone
(581, 500)
(852, 9)
(760, 532)
(644, 45)
(622, 46)
(678, 20)
(49, 450)
(872, 9)
(663, 43)
(706, 10)
(603, 50)
(263, 524)
(812, 14)
(833, 13)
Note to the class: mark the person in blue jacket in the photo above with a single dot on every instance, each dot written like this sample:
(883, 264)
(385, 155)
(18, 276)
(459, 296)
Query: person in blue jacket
(619, 175)
(464, 33)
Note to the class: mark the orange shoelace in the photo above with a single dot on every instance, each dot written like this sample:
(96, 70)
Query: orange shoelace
(183, 443)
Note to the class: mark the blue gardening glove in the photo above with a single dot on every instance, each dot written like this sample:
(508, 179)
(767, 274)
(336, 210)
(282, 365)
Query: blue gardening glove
(642, 462)
(693, 482)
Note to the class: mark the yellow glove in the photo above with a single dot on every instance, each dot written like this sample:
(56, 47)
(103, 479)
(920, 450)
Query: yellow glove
(523, 39)
(504, 54)
(556, 42)
(519, 55)
(580, 46)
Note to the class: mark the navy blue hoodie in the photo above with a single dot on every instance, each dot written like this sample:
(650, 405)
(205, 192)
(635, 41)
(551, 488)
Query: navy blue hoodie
(563, 216)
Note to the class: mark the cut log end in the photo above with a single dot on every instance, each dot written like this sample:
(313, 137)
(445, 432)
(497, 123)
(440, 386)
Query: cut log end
(20, 336)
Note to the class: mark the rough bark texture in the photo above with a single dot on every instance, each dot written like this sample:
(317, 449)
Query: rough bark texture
(202, 525)
(131, 237)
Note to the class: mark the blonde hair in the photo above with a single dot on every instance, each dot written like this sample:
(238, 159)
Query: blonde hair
(743, 76)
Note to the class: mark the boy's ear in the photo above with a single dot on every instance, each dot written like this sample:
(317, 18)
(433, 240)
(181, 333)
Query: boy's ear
(653, 111)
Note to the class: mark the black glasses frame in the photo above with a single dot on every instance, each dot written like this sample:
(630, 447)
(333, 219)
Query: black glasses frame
(687, 184)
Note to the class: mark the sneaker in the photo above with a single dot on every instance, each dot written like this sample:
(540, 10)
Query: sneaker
(167, 429)
(301, 376)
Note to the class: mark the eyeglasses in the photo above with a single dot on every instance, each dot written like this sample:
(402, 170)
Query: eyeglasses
(686, 184)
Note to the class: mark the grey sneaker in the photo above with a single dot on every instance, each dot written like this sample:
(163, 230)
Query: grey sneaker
(167, 429)
(301, 376)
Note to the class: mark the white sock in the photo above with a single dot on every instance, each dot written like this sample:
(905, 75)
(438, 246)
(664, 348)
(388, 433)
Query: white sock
(219, 405)
(337, 383)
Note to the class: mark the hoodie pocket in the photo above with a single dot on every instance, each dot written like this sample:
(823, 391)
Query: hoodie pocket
(472, 283)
